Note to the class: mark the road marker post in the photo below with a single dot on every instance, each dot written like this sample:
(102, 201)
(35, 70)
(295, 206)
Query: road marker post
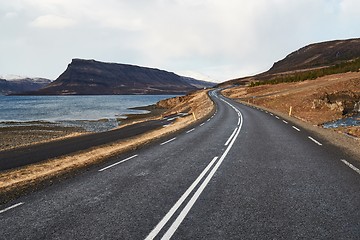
(290, 110)
(194, 116)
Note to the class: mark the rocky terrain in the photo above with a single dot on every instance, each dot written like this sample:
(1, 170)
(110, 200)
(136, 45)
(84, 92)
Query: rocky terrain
(90, 77)
(14, 86)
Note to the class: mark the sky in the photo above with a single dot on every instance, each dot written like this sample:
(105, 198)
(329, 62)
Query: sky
(213, 40)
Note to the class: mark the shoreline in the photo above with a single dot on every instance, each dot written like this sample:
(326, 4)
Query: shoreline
(20, 181)
(17, 134)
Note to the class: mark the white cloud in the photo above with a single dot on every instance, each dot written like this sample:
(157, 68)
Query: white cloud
(218, 39)
(52, 21)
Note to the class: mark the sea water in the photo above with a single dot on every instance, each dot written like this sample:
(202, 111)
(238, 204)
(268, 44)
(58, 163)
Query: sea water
(94, 113)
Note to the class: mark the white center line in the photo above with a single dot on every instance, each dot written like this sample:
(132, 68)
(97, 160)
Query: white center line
(112, 165)
(11, 207)
(351, 166)
(239, 120)
(196, 195)
(190, 130)
(231, 136)
(167, 141)
(296, 128)
(167, 217)
(285, 121)
(315, 141)
(193, 199)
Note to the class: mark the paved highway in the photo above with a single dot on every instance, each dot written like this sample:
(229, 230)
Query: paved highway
(241, 174)
(26, 155)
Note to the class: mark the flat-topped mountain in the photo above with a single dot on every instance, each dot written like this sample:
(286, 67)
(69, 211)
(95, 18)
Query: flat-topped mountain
(14, 86)
(90, 77)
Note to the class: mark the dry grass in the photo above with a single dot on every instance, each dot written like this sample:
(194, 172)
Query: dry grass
(300, 96)
(13, 181)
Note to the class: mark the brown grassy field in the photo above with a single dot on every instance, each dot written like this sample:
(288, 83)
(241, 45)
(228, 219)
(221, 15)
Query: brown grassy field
(310, 100)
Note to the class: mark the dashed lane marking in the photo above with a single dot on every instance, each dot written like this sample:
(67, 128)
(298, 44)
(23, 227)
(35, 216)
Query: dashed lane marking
(167, 141)
(315, 141)
(351, 166)
(11, 207)
(296, 128)
(112, 165)
(190, 130)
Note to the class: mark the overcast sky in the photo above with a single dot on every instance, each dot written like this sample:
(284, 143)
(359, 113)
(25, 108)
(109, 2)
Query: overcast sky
(208, 39)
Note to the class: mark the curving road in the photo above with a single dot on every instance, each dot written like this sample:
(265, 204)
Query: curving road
(241, 174)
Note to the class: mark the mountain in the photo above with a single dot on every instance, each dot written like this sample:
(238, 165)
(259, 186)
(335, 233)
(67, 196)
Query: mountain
(319, 55)
(18, 85)
(90, 77)
(309, 61)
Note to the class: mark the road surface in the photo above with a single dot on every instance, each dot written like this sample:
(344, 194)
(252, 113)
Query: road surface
(26, 155)
(241, 174)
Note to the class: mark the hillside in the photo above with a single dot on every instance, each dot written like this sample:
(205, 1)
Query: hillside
(15, 86)
(318, 55)
(318, 84)
(90, 77)
(312, 61)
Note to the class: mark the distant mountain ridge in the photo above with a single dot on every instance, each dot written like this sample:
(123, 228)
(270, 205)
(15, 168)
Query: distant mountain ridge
(91, 77)
(312, 56)
(18, 85)
(319, 55)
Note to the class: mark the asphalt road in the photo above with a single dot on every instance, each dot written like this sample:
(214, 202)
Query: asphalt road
(23, 156)
(241, 174)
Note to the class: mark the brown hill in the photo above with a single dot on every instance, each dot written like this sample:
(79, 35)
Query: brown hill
(90, 77)
(308, 62)
(318, 55)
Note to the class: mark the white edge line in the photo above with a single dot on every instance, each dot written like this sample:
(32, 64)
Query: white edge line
(351, 166)
(285, 121)
(11, 207)
(296, 128)
(170, 140)
(190, 130)
(277, 117)
(167, 217)
(192, 201)
(112, 165)
(315, 141)
(202, 124)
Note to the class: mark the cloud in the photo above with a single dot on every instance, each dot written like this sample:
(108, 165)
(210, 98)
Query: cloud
(52, 21)
(215, 39)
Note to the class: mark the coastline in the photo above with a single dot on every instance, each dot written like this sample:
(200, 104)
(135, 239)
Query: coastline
(13, 137)
(19, 181)
(20, 134)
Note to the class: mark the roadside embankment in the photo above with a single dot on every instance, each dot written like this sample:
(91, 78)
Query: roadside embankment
(311, 103)
(15, 182)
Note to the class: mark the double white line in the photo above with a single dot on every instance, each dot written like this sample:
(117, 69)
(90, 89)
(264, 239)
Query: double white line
(174, 226)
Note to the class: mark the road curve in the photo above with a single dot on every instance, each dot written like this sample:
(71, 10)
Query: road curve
(241, 174)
